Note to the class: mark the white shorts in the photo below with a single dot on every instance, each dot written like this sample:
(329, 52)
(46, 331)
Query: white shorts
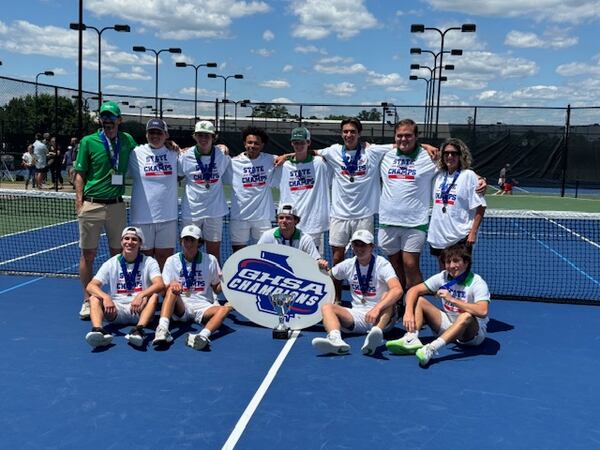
(212, 228)
(194, 311)
(393, 239)
(361, 326)
(341, 230)
(318, 239)
(159, 235)
(124, 314)
(242, 230)
(448, 320)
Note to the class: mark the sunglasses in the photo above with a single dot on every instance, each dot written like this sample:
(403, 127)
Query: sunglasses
(455, 153)
(154, 132)
(108, 119)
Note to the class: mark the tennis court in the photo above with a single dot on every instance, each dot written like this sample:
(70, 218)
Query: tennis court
(532, 384)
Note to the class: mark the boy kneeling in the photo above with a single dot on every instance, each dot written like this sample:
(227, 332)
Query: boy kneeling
(191, 277)
(463, 319)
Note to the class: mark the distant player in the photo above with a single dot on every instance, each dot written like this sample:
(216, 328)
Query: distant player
(134, 282)
(191, 277)
(465, 299)
(375, 291)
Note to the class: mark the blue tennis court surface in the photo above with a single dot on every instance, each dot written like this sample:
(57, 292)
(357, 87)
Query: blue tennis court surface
(532, 384)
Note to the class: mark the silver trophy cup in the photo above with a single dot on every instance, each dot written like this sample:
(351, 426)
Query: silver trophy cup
(281, 303)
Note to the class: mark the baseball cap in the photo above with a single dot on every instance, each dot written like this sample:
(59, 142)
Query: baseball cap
(133, 230)
(300, 134)
(192, 231)
(204, 126)
(110, 107)
(156, 124)
(363, 236)
(288, 208)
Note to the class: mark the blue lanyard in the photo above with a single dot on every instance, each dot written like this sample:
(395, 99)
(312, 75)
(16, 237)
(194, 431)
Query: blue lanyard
(130, 276)
(189, 277)
(112, 153)
(364, 281)
(351, 166)
(206, 170)
(458, 280)
(445, 188)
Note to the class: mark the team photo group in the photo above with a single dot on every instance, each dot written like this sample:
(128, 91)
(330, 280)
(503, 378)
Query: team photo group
(425, 199)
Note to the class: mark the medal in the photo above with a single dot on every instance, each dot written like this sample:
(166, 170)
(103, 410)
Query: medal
(128, 294)
(351, 165)
(445, 188)
(206, 170)
(443, 209)
(130, 277)
(188, 293)
(351, 179)
(189, 278)
(207, 185)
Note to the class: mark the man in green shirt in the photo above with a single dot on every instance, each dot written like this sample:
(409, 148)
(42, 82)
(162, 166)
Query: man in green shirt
(99, 185)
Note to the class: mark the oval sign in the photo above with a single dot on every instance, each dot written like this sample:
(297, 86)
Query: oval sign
(255, 273)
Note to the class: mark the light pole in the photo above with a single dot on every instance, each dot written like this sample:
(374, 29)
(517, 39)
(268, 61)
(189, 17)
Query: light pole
(47, 73)
(121, 28)
(139, 48)
(237, 76)
(430, 87)
(420, 28)
(196, 67)
(141, 108)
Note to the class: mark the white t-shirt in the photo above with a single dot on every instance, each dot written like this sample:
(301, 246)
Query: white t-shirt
(407, 182)
(360, 198)
(447, 228)
(378, 284)
(154, 195)
(472, 290)
(27, 158)
(110, 274)
(251, 180)
(40, 151)
(198, 201)
(299, 240)
(207, 275)
(306, 186)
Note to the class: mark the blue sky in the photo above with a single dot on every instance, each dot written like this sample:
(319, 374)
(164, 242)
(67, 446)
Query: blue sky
(530, 52)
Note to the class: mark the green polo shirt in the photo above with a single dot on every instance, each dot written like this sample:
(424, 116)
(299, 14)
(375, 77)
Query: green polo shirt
(93, 161)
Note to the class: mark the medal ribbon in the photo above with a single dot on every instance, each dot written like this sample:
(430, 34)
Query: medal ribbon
(351, 166)
(206, 170)
(458, 280)
(364, 281)
(189, 277)
(130, 276)
(445, 188)
(112, 153)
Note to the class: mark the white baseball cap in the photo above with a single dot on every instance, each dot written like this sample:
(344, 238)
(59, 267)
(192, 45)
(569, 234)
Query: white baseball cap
(192, 231)
(363, 236)
(205, 126)
(288, 208)
(133, 230)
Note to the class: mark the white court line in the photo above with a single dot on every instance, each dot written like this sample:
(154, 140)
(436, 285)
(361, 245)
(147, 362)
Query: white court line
(30, 230)
(580, 236)
(38, 253)
(242, 422)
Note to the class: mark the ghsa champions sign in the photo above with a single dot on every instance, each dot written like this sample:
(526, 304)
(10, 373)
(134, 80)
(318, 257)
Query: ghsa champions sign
(253, 274)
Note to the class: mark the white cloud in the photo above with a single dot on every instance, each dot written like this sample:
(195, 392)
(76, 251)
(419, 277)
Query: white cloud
(380, 79)
(264, 52)
(29, 39)
(577, 68)
(342, 89)
(551, 39)
(287, 68)
(275, 84)
(201, 92)
(338, 65)
(116, 88)
(318, 19)
(281, 100)
(309, 49)
(268, 35)
(180, 19)
(559, 11)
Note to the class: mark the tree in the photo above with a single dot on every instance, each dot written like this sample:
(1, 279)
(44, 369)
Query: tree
(272, 111)
(373, 115)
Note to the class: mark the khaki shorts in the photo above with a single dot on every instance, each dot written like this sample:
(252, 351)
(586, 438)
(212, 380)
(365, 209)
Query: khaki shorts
(93, 217)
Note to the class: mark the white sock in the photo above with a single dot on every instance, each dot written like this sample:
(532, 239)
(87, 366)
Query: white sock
(334, 334)
(205, 332)
(410, 335)
(164, 322)
(437, 344)
(376, 328)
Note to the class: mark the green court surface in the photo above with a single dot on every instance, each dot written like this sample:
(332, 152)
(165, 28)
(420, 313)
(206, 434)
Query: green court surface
(543, 202)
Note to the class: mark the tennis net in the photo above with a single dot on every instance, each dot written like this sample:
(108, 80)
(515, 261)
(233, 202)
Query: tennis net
(523, 255)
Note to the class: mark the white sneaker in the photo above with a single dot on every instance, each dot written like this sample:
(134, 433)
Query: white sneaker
(424, 354)
(197, 341)
(136, 336)
(98, 337)
(373, 340)
(84, 312)
(162, 336)
(404, 345)
(335, 346)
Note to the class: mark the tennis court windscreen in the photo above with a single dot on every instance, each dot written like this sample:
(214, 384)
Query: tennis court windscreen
(528, 255)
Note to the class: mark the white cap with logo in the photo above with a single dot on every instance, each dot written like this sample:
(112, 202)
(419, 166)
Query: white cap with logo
(192, 231)
(288, 208)
(133, 230)
(363, 236)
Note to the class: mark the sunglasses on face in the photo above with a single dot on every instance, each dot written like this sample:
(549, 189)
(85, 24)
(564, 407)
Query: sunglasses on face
(108, 119)
(455, 153)
(155, 132)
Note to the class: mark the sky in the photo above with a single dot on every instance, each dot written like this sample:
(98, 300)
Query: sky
(525, 53)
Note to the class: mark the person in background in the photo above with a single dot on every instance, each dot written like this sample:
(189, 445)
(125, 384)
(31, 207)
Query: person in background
(28, 162)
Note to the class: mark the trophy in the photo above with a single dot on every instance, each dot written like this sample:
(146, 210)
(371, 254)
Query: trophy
(281, 303)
